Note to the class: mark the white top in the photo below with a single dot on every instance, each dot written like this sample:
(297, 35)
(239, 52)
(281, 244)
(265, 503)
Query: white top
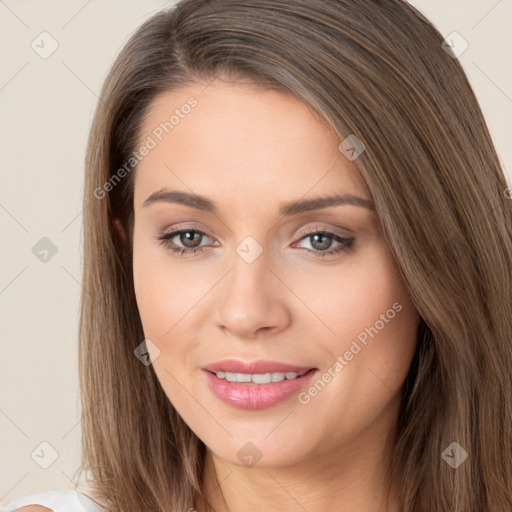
(61, 500)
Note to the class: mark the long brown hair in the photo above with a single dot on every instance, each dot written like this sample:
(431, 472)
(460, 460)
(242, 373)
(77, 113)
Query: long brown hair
(373, 68)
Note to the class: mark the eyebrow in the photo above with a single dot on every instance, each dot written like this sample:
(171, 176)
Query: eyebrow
(290, 208)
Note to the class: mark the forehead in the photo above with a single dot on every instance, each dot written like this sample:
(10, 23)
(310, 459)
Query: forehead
(239, 141)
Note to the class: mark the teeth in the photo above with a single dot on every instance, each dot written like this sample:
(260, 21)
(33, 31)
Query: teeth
(258, 378)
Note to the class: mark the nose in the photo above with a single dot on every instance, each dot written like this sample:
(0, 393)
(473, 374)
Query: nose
(253, 299)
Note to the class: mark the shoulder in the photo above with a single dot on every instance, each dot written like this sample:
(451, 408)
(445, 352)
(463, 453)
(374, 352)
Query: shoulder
(34, 508)
(59, 500)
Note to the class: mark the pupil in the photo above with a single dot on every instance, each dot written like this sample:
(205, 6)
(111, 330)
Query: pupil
(189, 236)
(325, 245)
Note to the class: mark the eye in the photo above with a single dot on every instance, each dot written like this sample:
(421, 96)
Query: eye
(189, 237)
(321, 239)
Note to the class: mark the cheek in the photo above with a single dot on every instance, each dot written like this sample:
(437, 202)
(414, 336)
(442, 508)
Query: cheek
(362, 295)
(164, 296)
(149, 285)
(367, 353)
(365, 321)
(379, 324)
(164, 291)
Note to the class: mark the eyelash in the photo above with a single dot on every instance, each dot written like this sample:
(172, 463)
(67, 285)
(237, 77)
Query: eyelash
(346, 243)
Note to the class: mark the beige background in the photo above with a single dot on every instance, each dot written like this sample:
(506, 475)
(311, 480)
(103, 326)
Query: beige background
(46, 107)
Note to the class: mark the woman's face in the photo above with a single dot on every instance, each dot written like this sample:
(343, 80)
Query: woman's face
(275, 278)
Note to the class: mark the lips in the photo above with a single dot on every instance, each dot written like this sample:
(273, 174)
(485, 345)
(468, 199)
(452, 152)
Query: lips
(252, 396)
(254, 367)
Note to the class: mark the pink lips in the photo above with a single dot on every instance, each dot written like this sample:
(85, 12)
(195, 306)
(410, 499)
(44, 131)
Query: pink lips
(255, 396)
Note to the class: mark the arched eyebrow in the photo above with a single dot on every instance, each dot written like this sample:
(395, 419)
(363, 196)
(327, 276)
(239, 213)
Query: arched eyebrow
(290, 208)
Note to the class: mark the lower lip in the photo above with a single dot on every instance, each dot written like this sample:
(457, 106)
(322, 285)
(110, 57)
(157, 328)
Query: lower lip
(256, 396)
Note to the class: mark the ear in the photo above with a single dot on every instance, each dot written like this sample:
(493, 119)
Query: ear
(120, 229)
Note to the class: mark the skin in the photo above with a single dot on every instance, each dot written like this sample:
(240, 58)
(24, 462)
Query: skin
(249, 150)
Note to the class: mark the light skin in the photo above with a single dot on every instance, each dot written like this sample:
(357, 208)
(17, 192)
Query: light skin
(251, 150)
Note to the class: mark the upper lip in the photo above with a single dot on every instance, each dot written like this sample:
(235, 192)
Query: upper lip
(237, 366)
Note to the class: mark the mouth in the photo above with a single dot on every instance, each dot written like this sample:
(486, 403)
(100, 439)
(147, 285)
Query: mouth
(258, 390)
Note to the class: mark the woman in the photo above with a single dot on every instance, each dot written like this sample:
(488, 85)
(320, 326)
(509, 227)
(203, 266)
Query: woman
(297, 268)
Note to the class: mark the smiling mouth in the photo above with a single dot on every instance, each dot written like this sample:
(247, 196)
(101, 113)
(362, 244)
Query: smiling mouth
(256, 391)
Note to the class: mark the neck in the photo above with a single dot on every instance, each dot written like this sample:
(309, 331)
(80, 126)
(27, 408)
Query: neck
(351, 479)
